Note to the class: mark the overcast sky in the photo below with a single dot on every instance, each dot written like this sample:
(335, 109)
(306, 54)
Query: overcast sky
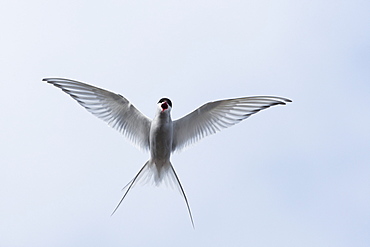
(294, 175)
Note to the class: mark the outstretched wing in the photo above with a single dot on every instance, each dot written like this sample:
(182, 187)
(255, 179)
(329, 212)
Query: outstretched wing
(215, 116)
(111, 107)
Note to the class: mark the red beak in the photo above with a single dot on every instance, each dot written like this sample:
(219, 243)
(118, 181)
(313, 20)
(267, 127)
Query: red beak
(164, 106)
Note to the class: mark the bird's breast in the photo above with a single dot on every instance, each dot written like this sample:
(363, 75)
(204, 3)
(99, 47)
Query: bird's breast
(161, 135)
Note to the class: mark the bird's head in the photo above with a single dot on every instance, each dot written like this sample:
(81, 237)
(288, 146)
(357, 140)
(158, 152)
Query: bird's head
(165, 105)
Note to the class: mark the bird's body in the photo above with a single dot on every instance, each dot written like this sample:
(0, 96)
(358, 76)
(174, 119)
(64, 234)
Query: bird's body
(162, 136)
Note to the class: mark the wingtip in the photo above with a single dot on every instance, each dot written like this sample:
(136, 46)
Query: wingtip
(48, 80)
(285, 101)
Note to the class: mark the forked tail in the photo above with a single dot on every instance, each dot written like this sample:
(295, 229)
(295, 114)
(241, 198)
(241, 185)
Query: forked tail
(150, 173)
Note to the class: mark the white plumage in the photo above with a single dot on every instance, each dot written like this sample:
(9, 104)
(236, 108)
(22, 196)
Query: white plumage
(162, 136)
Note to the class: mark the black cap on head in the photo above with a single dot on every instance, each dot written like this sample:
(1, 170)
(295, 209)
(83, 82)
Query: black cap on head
(165, 100)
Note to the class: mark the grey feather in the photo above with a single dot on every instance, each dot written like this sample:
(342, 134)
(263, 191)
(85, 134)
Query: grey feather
(215, 116)
(113, 108)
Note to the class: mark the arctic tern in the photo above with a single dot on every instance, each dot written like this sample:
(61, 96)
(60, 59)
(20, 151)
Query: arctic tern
(162, 136)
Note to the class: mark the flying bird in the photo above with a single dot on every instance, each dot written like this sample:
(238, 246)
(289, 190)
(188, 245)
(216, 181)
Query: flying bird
(161, 136)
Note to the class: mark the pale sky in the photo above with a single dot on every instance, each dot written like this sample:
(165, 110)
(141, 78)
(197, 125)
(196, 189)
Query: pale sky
(294, 175)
